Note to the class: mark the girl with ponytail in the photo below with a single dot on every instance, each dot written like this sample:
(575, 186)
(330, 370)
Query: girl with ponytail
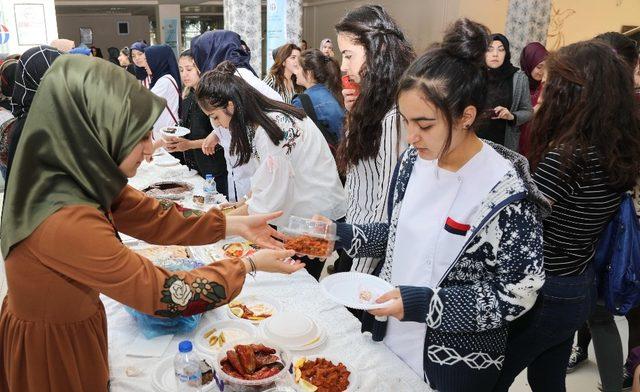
(320, 76)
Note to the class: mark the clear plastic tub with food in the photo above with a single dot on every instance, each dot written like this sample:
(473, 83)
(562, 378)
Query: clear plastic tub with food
(310, 237)
(252, 364)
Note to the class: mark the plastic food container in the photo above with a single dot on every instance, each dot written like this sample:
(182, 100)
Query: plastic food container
(310, 237)
(236, 384)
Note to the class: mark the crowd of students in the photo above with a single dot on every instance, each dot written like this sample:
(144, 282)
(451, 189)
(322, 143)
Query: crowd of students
(476, 188)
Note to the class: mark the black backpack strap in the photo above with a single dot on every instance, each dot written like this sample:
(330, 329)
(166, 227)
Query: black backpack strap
(307, 105)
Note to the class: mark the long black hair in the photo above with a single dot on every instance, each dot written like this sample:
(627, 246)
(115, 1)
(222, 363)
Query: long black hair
(624, 46)
(219, 87)
(325, 70)
(452, 74)
(588, 102)
(388, 54)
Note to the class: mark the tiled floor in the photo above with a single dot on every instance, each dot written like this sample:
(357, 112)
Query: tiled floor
(585, 379)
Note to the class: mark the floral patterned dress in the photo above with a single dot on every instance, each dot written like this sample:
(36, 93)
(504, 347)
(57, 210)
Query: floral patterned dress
(53, 327)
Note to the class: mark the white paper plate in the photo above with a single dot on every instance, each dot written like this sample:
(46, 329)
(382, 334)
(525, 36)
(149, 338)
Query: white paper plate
(252, 300)
(164, 379)
(293, 331)
(345, 287)
(179, 131)
(202, 344)
(160, 151)
(165, 160)
(354, 378)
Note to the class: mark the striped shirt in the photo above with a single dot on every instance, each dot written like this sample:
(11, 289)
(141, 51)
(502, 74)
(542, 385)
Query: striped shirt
(581, 209)
(368, 182)
(287, 96)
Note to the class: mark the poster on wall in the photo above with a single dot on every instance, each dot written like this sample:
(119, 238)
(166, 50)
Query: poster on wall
(170, 28)
(276, 27)
(86, 36)
(30, 24)
(5, 34)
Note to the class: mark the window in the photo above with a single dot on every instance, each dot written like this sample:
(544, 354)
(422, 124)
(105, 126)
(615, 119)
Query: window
(123, 28)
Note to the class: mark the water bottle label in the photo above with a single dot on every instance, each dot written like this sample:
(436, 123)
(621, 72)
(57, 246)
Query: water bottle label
(191, 379)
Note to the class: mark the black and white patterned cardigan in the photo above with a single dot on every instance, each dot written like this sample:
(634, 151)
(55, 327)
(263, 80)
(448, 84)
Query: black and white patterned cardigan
(495, 278)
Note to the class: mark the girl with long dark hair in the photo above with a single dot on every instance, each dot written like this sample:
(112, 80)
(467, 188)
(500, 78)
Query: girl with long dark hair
(124, 59)
(607, 344)
(282, 75)
(375, 53)
(463, 239)
(209, 50)
(297, 173)
(320, 76)
(194, 118)
(584, 152)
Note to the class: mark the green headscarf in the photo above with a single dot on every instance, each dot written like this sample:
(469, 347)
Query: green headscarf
(86, 117)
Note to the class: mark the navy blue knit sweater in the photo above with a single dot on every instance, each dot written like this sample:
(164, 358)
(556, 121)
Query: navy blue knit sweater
(495, 278)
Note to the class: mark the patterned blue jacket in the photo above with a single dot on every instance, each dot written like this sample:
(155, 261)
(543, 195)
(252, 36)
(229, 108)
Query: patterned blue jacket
(494, 279)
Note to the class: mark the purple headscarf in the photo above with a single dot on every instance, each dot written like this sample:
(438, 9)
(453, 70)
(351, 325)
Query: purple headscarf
(532, 55)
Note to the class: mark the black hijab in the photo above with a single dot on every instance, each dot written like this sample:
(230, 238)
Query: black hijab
(506, 70)
(162, 61)
(499, 93)
(141, 73)
(214, 47)
(32, 66)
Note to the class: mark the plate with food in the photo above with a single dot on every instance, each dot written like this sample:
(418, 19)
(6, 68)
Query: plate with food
(323, 374)
(213, 336)
(355, 290)
(251, 364)
(227, 250)
(293, 331)
(175, 131)
(173, 190)
(253, 308)
(164, 379)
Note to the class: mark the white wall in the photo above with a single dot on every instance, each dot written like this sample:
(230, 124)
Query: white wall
(105, 29)
(423, 21)
(8, 18)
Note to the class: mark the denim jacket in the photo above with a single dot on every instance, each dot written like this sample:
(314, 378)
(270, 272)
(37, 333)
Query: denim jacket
(327, 108)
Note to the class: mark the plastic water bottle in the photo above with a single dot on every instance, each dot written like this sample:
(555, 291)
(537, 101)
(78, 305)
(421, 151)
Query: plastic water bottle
(210, 190)
(187, 368)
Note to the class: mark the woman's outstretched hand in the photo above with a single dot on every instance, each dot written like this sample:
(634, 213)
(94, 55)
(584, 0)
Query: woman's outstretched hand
(274, 261)
(255, 228)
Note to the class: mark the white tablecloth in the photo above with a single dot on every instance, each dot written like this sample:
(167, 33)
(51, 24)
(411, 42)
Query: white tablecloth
(377, 367)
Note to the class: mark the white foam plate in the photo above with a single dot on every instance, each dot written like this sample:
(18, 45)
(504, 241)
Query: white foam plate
(179, 131)
(294, 331)
(164, 379)
(345, 288)
(202, 344)
(354, 378)
(165, 160)
(273, 306)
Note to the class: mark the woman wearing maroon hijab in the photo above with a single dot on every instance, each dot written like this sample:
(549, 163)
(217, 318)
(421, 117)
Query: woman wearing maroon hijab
(532, 63)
